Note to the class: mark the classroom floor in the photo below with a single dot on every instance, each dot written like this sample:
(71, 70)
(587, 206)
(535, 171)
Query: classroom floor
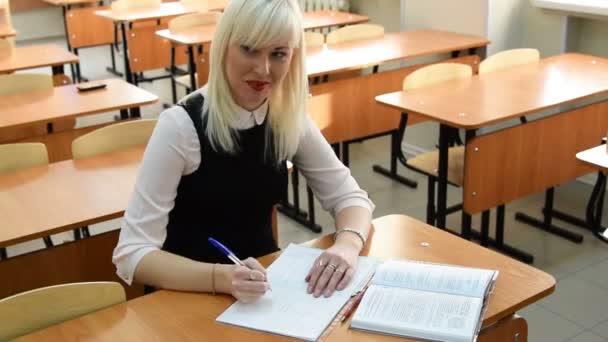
(576, 312)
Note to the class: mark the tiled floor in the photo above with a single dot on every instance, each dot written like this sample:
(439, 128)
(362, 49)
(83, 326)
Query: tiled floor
(577, 311)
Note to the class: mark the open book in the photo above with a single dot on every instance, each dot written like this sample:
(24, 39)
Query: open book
(425, 301)
(288, 309)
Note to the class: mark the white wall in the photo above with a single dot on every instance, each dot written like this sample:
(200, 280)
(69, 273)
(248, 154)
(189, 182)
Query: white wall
(505, 24)
(463, 16)
(38, 23)
(383, 12)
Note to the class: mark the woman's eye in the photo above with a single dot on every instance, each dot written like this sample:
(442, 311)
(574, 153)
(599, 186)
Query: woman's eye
(279, 54)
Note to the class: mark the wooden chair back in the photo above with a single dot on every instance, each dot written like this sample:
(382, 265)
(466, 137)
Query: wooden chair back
(113, 137)
(355, 32)
(86, 29)
(18, 83)
(314, 39)
(37, 309)
(193, 19)
(123, 5)
(147, 51)
(19, 156)
(509, 58)
(435, 74)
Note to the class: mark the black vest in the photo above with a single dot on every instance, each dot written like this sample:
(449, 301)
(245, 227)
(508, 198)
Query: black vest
(229, 197)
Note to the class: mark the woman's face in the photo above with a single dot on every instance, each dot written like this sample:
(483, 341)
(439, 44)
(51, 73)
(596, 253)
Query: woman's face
(252, 73)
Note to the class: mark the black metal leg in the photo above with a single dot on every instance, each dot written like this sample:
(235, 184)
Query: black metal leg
(485, 228)
(595, 207)
(85, 231)
(336, 148)
(77, 234)
(500, 226)
(3, 253)
(57, 70)
(392, 173)
(311, 212)
(135, 112)
(191, 67)
(47, 241)
(442, 179)
(466, 225)
(173, 86)
(546, 224)
(113, 47)
(127, 70)
(78, 77)
(124, 114)
(430, 201)
(345, 153)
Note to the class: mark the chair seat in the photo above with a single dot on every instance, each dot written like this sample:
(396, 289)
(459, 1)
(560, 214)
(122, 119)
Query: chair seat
(185, 80)
(428, 164)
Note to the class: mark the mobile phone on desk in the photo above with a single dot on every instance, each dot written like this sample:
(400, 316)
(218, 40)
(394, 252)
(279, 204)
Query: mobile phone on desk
(90, 86)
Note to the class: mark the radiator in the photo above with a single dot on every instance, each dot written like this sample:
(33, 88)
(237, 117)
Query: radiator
(315, 5)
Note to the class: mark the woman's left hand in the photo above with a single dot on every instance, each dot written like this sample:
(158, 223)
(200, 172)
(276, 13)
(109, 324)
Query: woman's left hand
(333, 270)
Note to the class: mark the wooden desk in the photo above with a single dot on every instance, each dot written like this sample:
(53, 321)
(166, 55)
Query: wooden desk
(83, 29)
(66, 102)
(59, 197)
(128, 17)
(596, 157)
(36, 56)
(393, 46)
(167, 315)
(27, 110)
(327, 18)
(7, 31)
(197, 36)
(498, 96)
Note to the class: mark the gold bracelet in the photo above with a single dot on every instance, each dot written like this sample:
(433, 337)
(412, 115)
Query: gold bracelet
(213, 279)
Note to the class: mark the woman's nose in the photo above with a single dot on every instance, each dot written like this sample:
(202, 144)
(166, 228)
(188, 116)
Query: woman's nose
(262, 65)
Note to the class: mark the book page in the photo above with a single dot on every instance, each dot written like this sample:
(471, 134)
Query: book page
(434, 277)
(288, 309)
(424, 315)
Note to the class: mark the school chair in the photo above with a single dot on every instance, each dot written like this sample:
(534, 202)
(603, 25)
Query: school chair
(428, 163)
(351, 33)
(109, 139)
(184, 22)
(33, 310)
(507, 59)
(123, 5)
(15, 157)
(314, 39)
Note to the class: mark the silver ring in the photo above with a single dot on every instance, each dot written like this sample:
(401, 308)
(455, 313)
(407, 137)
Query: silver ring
(332, 266)
(251, 277)
(340, 271)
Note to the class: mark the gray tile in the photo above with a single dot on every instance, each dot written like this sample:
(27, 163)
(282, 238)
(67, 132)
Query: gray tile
(601, 329)
(546, 326)
(578, 301)
(596, 274)
(587, 337)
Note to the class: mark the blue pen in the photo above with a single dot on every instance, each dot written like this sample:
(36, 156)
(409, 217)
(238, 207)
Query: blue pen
(227, 252)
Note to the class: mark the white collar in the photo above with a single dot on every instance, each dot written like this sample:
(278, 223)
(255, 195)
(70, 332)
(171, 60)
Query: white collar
(246, 118)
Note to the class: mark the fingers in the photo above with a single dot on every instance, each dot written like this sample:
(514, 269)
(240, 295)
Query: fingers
(248, 285)
(335, 279)
(346, 279)
(254, 265)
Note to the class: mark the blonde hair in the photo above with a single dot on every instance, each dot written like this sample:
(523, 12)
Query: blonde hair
(259, 23)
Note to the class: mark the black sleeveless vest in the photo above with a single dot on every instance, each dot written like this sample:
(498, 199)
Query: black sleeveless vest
(229, 197)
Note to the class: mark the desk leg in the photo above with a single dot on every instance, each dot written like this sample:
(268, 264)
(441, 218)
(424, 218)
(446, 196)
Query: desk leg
(442, 179)
(113, 46)
(510, 329)
(125, 52)
(172, 71)
(191, 68)
(64, 10)
(546, 224)
(396, 153)
(595, 207)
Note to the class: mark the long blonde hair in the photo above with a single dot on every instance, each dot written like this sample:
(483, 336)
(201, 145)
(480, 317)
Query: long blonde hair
(258, 23)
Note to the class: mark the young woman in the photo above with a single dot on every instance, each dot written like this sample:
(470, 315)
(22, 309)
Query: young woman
(216, 165)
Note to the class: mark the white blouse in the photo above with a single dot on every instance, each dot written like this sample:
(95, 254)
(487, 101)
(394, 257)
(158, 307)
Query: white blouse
(174, 151)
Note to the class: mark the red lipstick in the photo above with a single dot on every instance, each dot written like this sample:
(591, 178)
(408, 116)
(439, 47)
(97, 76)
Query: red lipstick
(257, 85)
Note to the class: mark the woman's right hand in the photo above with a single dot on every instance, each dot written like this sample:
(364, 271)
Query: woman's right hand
(249, 283)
